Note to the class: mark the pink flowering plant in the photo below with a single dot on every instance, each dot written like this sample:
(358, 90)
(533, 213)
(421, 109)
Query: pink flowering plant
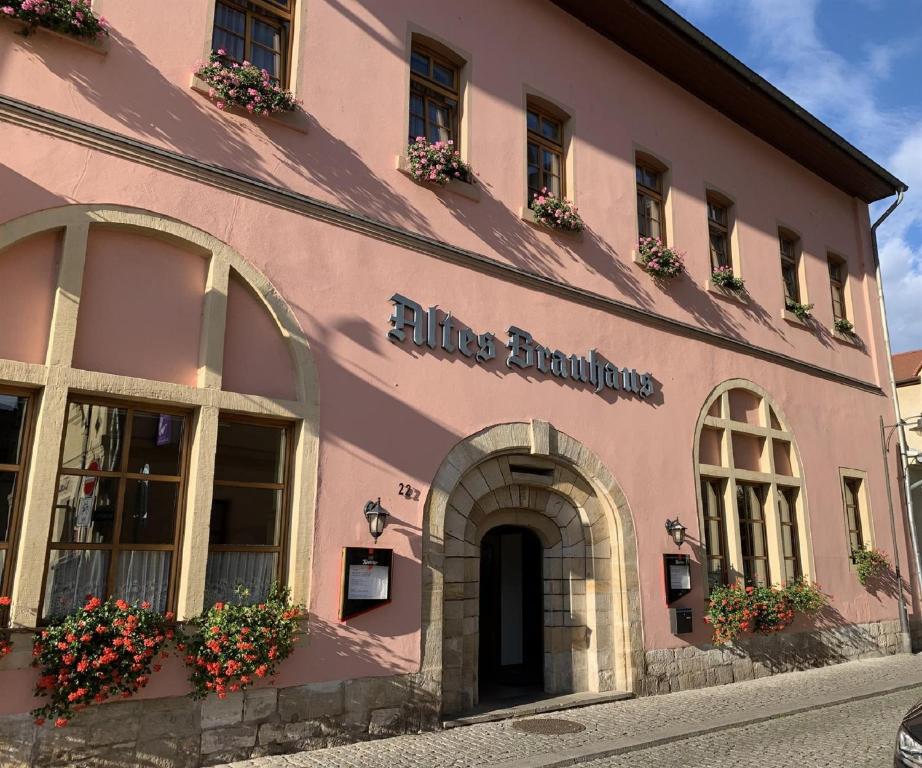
(70, 17)
(659, 260)
(724, 277)
(102, 650)
(237, 644)
(245, 85)
(6, 644)
(437, 163)
(555, 212)
(869, 564)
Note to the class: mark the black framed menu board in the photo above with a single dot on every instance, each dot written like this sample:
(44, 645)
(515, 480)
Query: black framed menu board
(365, 582)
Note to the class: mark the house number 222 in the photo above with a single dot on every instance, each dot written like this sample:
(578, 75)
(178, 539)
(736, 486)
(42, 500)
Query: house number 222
(408, 491)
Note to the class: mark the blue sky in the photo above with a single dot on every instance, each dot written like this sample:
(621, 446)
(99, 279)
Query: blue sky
(857, 66)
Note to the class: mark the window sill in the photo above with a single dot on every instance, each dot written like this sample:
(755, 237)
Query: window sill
(98, 45)
(793, 319)
(468, 189)
(740, 297)
(296, 119)
(528, 216)
(848, 339)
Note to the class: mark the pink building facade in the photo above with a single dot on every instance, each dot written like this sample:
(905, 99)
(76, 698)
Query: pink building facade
(274, 323)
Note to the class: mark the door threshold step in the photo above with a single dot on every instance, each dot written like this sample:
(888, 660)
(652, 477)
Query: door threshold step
(539, 707)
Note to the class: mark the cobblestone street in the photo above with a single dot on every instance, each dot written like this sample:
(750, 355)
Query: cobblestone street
(844, 715)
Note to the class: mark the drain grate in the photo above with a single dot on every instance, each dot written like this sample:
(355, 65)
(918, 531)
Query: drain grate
(548, 726)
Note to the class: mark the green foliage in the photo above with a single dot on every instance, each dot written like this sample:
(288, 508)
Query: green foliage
(844, 326)
(102, 650)
(70, 17)
(555, 212)
(724, 277)
(243, 85)
(732, 610)
(802, 311)
(239, 643)
(437, 163)
(869, 563)
(659, 260)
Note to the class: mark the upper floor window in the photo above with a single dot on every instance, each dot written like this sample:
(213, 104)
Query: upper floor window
(116, 523)
(14, 431)
(248, 509)
(715, 525)
(545, 152)
(719, 231)
(434, 96)
(838, 272)
(258, 31)
(851, 488)
(651, 195)
(789, 245)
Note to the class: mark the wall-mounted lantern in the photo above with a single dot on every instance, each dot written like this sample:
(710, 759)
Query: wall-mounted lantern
(675, 529)
(376, 515)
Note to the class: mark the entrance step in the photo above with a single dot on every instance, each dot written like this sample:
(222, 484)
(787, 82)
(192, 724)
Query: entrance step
(490, 712)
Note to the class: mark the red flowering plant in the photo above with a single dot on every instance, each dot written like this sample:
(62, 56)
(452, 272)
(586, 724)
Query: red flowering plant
(103, 650)
(555, 212)
(733, 610)
(231, 84)
(70, 17)
(437, 163)
(659, 260)
(239, 643)
(6, 645)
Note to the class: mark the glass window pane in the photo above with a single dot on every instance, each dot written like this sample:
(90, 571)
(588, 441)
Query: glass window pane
(231, 44)
(265, 59)
(242, 516)
(156, 444)
(550, 129)
(149, 513)
(714, 535)
(250, 453)
(419, 63)
(438, 114)
(85, 510)
(255, 571)
(417, 106)
(551, 162)
(719, 250)
(760, 572)
(73, 574)
(717, 214)
(266, 35)
(229, 18)
(443, 75)
(532, 120)
(143, 576)
(787, 540)
(7, 494)
(94, 437)
(12, 419)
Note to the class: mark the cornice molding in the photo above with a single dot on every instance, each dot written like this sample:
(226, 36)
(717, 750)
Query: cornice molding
(60, 126)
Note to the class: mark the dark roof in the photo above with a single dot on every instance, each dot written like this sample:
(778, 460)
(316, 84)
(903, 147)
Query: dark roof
(906, 366)
(658, 36)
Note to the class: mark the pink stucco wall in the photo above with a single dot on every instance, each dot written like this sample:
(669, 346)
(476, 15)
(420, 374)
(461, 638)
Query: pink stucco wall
(389, 414)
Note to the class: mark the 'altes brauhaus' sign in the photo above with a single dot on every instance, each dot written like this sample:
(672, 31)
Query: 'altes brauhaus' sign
(439, 330)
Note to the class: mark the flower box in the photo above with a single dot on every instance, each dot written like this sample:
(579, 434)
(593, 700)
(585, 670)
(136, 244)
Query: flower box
(658, 260)
(552, 212)
(74, 18)
(25, 30)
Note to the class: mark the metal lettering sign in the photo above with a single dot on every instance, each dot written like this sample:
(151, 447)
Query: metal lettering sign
(438, 330)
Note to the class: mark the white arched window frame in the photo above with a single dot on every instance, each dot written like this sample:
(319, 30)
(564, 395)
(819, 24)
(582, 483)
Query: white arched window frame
(743, 443)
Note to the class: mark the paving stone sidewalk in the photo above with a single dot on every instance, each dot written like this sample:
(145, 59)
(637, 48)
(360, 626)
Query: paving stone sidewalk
(620, 727)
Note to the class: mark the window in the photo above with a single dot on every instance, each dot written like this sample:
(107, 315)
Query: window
(790, 252)
(837, 275)
(248, 509)
(852, 491)
(719, 231)
(545, 152)
(750, 505)
(715, 526)
(15, 418)
(116, 525)
(787, 515)
(434, 96)
(258, 31)
(650, 198)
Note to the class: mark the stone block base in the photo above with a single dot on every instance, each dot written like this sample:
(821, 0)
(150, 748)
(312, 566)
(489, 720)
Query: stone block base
(752, 656)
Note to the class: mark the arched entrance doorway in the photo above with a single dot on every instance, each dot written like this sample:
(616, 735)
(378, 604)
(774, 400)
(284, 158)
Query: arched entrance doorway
(531, 476)
(511, 614)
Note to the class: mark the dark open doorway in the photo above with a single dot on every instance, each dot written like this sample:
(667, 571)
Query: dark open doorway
(511, 615)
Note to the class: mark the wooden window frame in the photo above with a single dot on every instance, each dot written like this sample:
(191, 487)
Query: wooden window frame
(21, 470)
(721, 519)
(834, 261)
(272, 14)
(793, 532)
(750, 521)
(791, 262)
(430, 84)
(115, 546)
(542, 142)
(859, 532)
(649, 164)
(285, 487)
(720, 229)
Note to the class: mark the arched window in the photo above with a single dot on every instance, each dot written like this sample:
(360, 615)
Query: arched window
(751, 503)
